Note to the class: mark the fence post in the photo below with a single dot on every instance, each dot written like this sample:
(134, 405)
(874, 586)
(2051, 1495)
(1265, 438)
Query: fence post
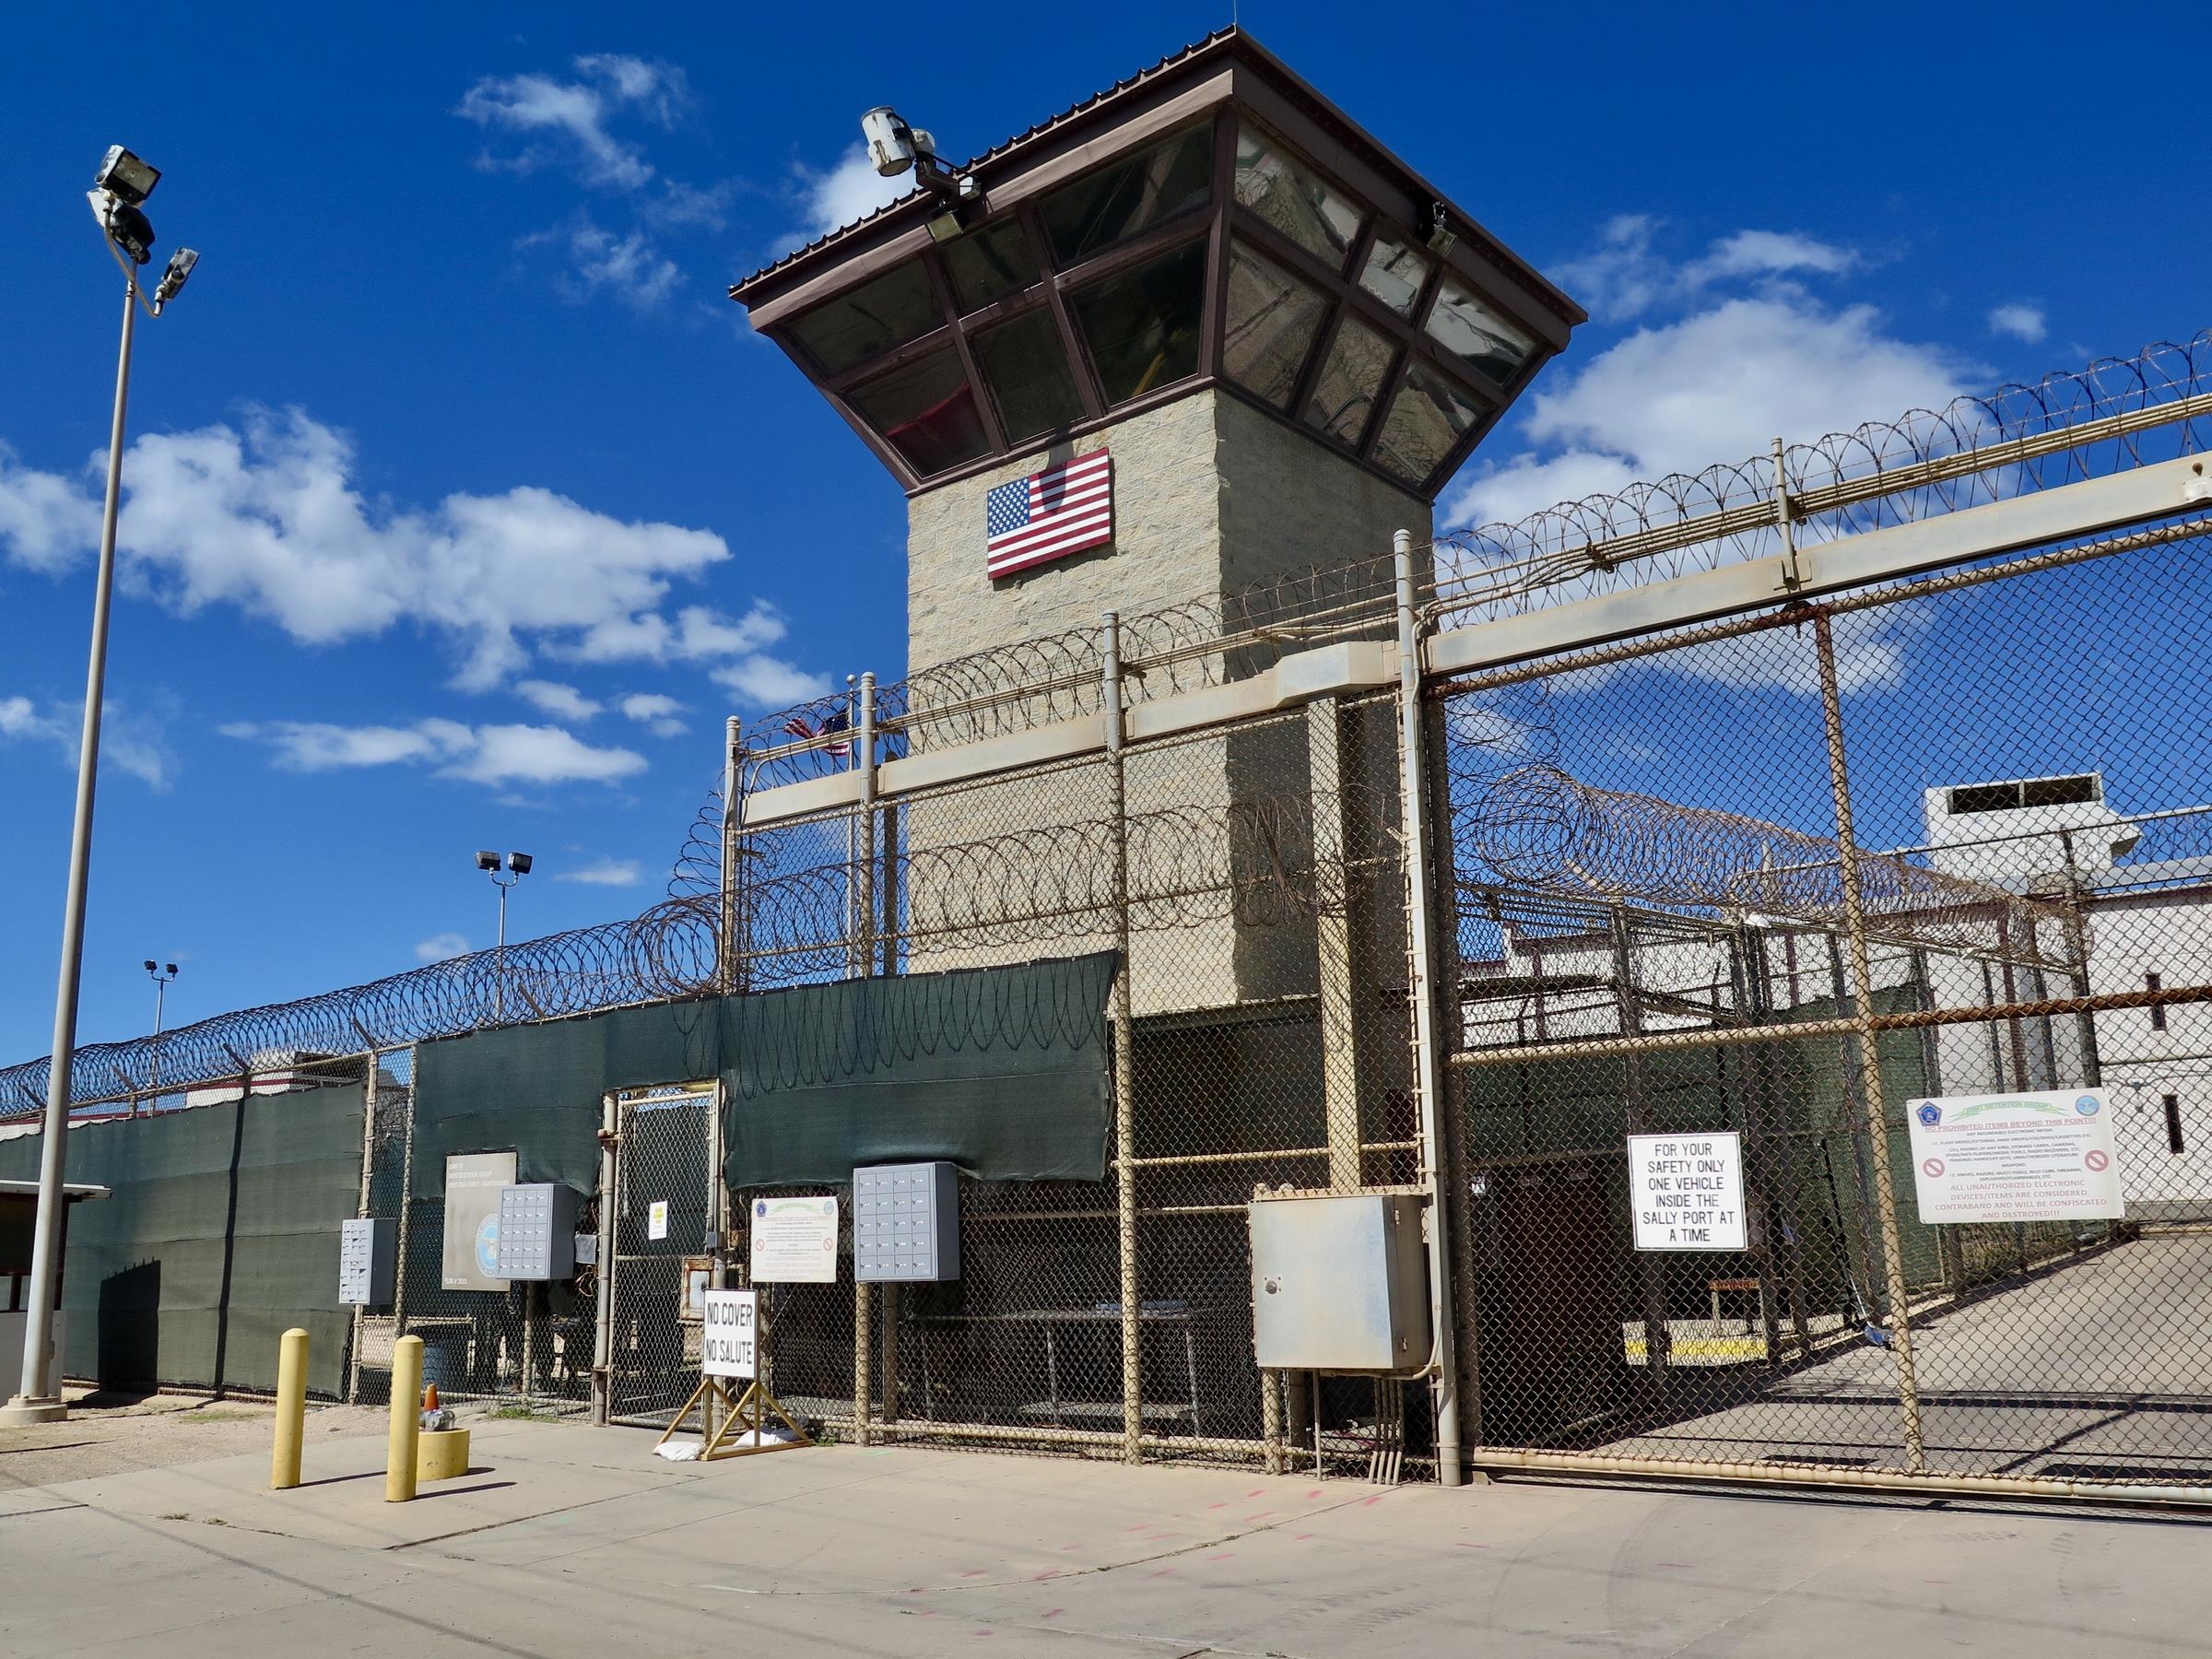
(360, 1208)
(407, 1208)
(861, 954)
(1125, 1056)
(610, 1212)
(1658, 1336)
(726, 945)
(1870, 1064)
(1420, 984)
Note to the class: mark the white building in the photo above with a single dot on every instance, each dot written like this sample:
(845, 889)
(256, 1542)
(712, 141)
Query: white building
(2149, 927)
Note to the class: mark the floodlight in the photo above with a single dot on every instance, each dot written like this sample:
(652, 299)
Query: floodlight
(125, 177)
(179, 267)
(170, 966)
(1441, 236)
(149, 965)
(131, 231)
(519, 863)
(488, 861)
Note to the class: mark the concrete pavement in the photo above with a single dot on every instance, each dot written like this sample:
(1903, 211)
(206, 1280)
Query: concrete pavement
(576, 1541)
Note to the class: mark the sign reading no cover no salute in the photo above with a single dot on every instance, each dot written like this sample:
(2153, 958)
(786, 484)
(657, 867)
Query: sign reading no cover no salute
(727, 1347)
(1688, 1190)
(2015, 1157)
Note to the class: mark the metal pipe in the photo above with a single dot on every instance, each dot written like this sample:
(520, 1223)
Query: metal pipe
(1930, 1483)
(407, 1208)
(37, 1399)
(406, 1420)
(1124, 1057)
(291, 1409)
(360, 1208)
(862, 959)
(726, 952)
(1870, 1061)
(1428, 1075)
(603, 1337)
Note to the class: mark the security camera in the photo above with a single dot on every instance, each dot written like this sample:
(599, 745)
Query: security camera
(488, 861)
(519, 863)
(179, 267)
(132, 231)
(891, 145)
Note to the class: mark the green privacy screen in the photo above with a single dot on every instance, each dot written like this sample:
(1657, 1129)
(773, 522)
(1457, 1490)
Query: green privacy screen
(1001, 1070)
(535, 1088)
(220, 1233)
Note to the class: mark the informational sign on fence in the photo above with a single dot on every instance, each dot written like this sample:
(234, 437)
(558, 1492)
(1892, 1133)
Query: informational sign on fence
(470, 1257)
(727, 1349)
(795, 1241)
(2015, 1157)
(656, 1218)
(1688, 1190)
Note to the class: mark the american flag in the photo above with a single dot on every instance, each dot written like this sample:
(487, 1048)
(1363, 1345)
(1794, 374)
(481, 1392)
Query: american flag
(1062, 509)
(796, 726)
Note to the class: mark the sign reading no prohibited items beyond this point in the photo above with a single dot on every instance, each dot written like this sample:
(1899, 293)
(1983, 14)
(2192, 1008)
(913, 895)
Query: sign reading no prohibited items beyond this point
(2044, 1157)
(1688, 1190)
(794, 1241)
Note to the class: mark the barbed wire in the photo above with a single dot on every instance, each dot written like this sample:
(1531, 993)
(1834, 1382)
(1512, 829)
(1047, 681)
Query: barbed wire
(1924, 463)
(1536, 828)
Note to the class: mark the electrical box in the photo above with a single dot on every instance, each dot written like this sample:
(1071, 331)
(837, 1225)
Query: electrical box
(906, 1223)
(537, 1231)
(586, 1250)
(1339, 1284)
(367, 1255)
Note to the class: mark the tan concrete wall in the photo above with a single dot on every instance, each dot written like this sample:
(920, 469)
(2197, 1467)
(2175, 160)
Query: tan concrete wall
(1166, 545)
(1210, 496)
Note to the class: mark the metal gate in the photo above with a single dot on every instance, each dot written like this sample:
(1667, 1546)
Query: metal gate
(658, 1240)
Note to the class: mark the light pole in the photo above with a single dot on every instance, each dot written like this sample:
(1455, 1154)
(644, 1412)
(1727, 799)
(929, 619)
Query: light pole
(518, 866)
(118, 190)
(162, 974)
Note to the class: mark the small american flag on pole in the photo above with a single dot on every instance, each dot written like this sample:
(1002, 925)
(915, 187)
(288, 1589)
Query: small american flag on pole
(1062, 509)
(798, 726)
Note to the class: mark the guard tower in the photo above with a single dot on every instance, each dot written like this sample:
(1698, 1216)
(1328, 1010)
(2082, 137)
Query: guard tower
(1259, 342)
(1286, 339)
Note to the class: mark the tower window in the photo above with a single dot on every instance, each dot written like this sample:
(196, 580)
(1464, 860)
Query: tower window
(2174, 1124)
(2154, 985)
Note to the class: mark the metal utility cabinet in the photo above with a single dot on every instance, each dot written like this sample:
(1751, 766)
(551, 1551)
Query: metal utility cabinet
(367, 1256)
(906, 1223)
(537, 1231)
(1339, 1284)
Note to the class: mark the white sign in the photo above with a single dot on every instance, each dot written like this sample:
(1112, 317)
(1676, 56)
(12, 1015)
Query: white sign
(1688, 1190)
(795, 1241)
(2015, 1157)
(656, 1219)
(470, 1258)
(727, 1350)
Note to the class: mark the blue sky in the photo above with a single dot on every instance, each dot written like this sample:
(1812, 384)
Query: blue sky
(463, 506)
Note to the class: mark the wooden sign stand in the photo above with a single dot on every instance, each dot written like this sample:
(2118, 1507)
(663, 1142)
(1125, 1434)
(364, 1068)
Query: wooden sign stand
(746, 1414)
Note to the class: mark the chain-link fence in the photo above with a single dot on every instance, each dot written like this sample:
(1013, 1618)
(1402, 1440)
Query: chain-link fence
(1693, 977)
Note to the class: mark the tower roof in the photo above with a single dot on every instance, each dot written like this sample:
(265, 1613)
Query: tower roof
(1210, 221)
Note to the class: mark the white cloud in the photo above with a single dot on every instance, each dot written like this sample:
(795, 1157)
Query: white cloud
(564, 702)
(770, 682)
(45, 521)
(656, 713)
(1627, 274)
(441, 947)
(848, 191)
(485, 754)
(133, 742)
(2021, 322)
(605, 872)
(1716, 386)
(269, 520)
(628, 268)
(568, 120)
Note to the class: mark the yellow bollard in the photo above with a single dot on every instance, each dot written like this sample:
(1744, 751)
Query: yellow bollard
(291, 1409)
(406, 1420)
